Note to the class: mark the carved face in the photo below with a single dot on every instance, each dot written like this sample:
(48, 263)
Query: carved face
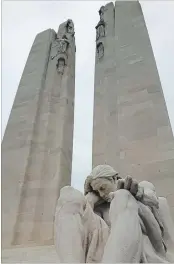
(103, 186)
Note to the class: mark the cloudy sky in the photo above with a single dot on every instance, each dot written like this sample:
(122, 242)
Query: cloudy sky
(22, 20)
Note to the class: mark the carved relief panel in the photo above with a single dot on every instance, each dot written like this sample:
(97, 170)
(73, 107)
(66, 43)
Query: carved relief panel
(60, 46)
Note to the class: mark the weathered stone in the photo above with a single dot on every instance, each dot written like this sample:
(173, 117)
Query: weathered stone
(116, 221)
(131, 127)
(37, 145)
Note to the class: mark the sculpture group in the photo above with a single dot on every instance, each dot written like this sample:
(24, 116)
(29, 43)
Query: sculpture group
(60, 45)
(115, 221)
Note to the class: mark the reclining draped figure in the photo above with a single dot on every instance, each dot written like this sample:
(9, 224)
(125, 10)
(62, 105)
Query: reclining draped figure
(116, 221)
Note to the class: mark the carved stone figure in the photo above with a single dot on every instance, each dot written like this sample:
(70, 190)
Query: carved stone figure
(70, 27)
(60, 46)
(116, 221)
(63, 40)
(66, 29)
(101, 12)
(100, 50)
(100, 30)
(61, 65)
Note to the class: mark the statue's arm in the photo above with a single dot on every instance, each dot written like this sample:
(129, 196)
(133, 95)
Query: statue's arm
(147, 194)
(143, 191)
(93, 199)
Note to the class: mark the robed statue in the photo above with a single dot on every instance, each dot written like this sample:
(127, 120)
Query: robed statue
(115, 221)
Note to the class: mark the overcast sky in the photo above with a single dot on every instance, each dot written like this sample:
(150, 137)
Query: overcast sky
(22, 20)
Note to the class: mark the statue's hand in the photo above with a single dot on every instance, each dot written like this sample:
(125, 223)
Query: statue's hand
(129, 184)
(111, 196)
(92, 198)
(147, 194)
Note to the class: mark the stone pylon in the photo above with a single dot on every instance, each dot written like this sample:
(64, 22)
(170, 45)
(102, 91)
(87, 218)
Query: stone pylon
(131, 127)
(38, 142)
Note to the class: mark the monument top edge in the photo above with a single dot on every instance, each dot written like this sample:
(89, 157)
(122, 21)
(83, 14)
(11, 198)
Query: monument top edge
(110, 4)
(67, 26)
(130, 2)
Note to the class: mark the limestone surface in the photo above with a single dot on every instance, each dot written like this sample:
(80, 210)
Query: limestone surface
(111, 224)
(37, 145)
(131, 127)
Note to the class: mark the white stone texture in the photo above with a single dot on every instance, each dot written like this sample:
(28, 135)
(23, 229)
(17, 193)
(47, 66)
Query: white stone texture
(37, 145)
(131, 130)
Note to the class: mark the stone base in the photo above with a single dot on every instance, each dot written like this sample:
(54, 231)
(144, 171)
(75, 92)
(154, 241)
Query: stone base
(38, 254)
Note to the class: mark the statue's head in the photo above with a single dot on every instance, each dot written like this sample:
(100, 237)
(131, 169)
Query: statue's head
(70, 26)
(101, 181)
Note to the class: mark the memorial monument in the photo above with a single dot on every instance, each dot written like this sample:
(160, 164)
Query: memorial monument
(37, 145)
(119, 218)
(116, 221)
(131, 127)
